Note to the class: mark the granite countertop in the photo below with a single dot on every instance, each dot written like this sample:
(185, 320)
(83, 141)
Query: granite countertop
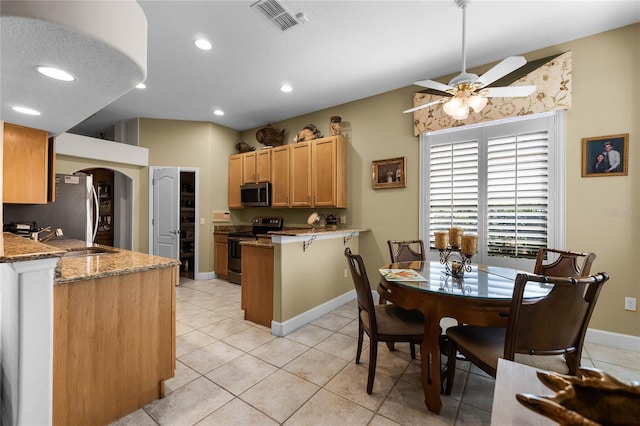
(14, 248)
(307, 231)
(78, 268)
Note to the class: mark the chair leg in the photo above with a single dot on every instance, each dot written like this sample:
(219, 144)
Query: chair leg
(451, 366)
(360, 338)
(391, 346)
(373, 355)
(412, 348)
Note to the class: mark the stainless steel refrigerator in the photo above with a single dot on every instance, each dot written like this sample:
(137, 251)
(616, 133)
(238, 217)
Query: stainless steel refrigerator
(74, 211)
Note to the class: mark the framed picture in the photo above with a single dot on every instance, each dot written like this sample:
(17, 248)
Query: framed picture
(389, 173)
(605, 156)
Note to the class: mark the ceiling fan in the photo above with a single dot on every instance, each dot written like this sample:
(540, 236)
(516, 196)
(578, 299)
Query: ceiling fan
(467, 90)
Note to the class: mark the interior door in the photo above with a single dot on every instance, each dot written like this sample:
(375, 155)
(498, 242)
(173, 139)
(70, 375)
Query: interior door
(166, 201)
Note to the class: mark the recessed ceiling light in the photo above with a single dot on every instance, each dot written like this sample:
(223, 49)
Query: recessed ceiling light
(218, 112)
(56, 73)
(141, 86)
(26, 110)
(286, 88)
(203, 44)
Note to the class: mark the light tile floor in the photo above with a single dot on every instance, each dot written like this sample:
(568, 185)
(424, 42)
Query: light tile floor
(234, 372)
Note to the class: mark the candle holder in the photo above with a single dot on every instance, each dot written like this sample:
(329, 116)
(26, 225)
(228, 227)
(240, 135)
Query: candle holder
(455, 262)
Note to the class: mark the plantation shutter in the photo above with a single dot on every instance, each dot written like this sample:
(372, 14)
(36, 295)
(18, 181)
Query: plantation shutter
(501, 182)
(453, 186)
(517, 194)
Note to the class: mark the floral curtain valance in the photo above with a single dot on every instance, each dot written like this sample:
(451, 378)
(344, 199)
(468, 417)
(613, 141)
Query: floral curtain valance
(553, 92)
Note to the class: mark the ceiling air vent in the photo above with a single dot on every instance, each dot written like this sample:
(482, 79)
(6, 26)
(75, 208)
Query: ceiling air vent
(275, 12)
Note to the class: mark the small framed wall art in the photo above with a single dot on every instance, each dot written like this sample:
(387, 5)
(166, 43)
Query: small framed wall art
(389, 173)
(605, 156)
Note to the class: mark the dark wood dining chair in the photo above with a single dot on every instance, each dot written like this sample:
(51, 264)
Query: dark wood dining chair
(563, 263)
(406, 251)
(382, 323)
(546, 333)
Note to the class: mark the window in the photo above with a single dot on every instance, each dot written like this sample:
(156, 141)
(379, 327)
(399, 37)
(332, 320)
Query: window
(499, 181)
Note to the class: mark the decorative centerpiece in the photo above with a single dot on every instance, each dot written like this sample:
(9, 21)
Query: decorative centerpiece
(457, 254)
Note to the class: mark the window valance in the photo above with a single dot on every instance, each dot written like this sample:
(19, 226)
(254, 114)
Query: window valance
(552, 77)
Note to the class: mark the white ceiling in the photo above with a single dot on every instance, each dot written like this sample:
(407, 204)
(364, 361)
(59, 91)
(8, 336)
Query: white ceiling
(348, 50)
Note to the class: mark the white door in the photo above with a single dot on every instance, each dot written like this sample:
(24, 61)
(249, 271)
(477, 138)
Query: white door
(166, 218)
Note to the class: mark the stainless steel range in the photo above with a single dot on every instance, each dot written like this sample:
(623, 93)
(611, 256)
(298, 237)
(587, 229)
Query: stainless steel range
(259, 225)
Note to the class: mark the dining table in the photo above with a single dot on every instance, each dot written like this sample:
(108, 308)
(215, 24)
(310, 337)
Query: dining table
(482, 297)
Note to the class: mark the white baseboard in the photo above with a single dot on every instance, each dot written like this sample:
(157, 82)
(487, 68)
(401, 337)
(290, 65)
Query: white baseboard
(614, 340)
(205, 276)
(283, 328)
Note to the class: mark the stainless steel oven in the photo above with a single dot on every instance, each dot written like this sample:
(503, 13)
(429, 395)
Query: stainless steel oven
(259, 225)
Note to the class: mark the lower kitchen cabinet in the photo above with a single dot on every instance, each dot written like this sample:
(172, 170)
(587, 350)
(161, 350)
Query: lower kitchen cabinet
(220, 258)
(257, 283)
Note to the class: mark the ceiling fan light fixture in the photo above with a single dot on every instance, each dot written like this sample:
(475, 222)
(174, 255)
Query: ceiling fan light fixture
(477, 102)
(461, 113)
(453, 105)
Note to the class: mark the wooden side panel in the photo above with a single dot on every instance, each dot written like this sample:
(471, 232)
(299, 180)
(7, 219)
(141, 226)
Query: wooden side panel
(114, 345)
(257, 284)
(25, 165)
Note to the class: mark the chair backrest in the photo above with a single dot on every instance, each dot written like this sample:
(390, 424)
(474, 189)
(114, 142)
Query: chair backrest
(556, 323)
(566, 264)
(363, 288)
(406, 251)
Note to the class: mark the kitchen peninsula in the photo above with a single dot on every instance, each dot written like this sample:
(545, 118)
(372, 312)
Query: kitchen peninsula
(86, 338)
(309, 275)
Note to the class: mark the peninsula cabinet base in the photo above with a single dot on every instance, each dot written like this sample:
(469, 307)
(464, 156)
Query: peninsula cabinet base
(114, 345)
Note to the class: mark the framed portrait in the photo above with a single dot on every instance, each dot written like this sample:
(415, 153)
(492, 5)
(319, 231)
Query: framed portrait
(605, 156)
(389, 173)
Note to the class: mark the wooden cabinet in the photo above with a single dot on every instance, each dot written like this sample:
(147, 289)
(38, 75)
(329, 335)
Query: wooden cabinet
(28, 166)
(305, 174)
(220, 259)
(300, 183)
(319, 173)
(256, 166)
(280, 176)
(235, 180)
(257, 283)
(113, 345)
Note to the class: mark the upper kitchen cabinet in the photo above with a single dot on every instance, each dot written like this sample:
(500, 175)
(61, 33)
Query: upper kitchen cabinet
(235, 180)
(319, 173)
(280, 176)
(256, 166)
(28, 166)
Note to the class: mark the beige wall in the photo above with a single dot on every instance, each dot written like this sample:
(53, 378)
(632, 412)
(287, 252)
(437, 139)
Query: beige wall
(603, 214)
(606, 94)
(193, 145)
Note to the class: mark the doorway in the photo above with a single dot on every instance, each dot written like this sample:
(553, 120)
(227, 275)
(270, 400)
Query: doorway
(115, 207)
(173, 201)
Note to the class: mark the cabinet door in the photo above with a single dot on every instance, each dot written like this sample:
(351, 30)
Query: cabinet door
(329, 165)
(300, 179)
(235, 180)
(280, 176)
(249, 160)
(263, 165)
(25, 165)
(220, 259)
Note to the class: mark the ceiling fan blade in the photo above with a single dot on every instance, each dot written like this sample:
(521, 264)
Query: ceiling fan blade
(502, 68)
(507, 92)
(436, 85)
(424, 105)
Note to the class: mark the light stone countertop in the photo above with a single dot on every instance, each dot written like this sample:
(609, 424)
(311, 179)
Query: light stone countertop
(323, 231)
(79, 268)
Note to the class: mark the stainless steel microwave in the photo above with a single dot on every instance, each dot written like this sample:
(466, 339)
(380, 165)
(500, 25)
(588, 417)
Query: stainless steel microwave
(255, 194)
